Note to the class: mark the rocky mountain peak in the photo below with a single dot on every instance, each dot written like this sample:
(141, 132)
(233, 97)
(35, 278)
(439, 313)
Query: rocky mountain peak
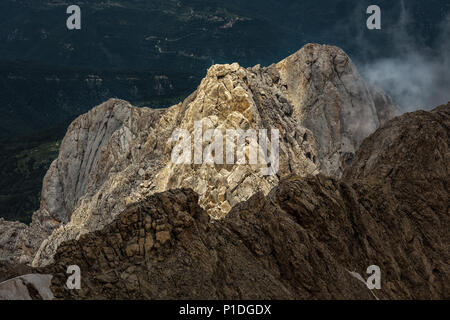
(117, 155)
(330, 98)
(309, 238)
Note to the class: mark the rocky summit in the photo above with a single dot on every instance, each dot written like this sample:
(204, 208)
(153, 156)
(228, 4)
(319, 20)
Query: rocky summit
(355, 187)
(117, 155)
(309, 238)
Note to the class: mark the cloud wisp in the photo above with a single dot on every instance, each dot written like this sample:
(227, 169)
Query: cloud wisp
(412, 66)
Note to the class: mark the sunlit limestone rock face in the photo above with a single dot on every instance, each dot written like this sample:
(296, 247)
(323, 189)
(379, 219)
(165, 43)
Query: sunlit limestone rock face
(229, 97)
(117, 155)
(330, 98)
(233, 98)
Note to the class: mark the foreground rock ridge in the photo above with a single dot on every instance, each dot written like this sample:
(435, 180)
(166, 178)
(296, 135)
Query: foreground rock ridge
(117, 155)
(305, 240)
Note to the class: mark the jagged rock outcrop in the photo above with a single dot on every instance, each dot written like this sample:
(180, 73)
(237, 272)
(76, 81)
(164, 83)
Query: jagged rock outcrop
(117, 155)
(305, 240)
(19, 242)
(330, 98)
(413, 147)
(17, 282)
(166, 248)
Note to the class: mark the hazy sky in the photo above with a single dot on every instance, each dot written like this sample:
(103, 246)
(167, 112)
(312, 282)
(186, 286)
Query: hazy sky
(416, 75)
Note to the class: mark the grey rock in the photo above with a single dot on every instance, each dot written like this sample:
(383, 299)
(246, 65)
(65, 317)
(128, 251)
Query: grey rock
(27, 287)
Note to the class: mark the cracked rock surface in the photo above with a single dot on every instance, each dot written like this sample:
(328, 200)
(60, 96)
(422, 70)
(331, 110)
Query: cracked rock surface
(305, 240)
(117, 155)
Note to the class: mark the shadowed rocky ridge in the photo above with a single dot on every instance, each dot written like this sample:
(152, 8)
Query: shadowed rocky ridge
(9, 271)
(117, 155)
(307, 239)
(301, 241)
